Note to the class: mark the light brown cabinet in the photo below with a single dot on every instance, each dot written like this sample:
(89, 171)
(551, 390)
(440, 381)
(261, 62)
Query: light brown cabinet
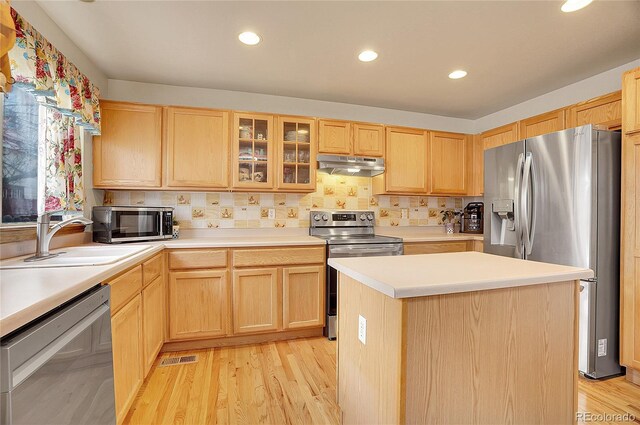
(604, 110)
(303, 296)
(198, 304)
(128, 153)
(500, 136)
(296, 140)
(405, 162)
(256, 306)
(450, 158)
(414, 248)
(153, 321)
(548, 122)
(253, 151)
(346, 138)
(197, 142)
(127, 355)
(630, 234)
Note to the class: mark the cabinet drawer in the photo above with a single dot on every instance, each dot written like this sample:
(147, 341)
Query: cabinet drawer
(277, 256)
(151, 269)
(125, 287)
(434, 247)
(198, 258)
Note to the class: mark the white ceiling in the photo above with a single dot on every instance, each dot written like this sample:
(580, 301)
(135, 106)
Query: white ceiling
(513, 50)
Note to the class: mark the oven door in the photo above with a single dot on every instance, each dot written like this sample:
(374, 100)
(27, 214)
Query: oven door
(136, 225)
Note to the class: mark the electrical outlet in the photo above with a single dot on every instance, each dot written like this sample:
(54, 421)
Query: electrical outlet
(405, 213)
(272, 213)
(362, 329)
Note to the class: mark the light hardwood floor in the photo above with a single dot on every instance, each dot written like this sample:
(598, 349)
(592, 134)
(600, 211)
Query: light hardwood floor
(288, 382)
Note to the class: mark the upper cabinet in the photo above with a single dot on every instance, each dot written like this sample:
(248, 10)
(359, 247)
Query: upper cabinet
(603, 110)
(548, 122)
(405, 162)
(197, 143)
(368, 139)
(346, 138)
(128, 154)
(252, 155)
(500, 136)
(450, 158)
(631, 101)
(296, 140)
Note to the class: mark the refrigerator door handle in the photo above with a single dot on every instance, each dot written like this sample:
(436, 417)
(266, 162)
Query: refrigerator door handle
(517, 218)
(527, 203)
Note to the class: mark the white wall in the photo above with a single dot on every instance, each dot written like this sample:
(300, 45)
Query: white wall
(37, 17)
(243, 101)
(603, 83)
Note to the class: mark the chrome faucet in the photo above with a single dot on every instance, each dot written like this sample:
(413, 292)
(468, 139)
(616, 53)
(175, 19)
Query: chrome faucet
(44, 234)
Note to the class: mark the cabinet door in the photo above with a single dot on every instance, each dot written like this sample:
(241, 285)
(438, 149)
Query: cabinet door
(603, 110)
(334, 137)
(303, 296)
(256, 306)
(631, 101)
(450, 156)
(542, 124)
(127, 355)
(477, 174)
(368, 140)
(153, 314)
(413, 248)
(253, 151)
(406, 161)
(197, 148)
(500, 136)
(128, 153)
(296, 154)
(198, 304)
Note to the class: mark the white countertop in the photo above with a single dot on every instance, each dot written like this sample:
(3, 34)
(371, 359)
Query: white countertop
(426, 234)
(26, 294)
(436, 274)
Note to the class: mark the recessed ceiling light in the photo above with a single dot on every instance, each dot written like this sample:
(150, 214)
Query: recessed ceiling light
(250, 38)
(367, 56)
(458, 74)
(573, 5)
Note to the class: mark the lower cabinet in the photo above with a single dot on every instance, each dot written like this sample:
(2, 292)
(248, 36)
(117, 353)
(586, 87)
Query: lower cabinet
(126, 332)
(255, 300)
(303, 296)
(153, 313)
(413, 248)
(198, 304)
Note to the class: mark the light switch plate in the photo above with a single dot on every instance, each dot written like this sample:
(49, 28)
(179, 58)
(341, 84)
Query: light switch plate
(272, 213)
(405, 213)
(362, 329)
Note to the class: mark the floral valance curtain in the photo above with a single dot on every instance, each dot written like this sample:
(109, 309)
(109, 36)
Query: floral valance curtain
(38, 65)
(63, 162)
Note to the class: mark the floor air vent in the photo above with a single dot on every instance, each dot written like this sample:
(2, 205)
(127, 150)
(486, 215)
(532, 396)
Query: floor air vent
(171, 361)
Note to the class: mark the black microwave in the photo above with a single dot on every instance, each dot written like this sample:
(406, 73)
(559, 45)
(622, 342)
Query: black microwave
(131, 224)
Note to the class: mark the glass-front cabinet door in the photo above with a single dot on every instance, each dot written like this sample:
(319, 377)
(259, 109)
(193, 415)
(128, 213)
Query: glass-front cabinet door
(253, 151)
(296, 138)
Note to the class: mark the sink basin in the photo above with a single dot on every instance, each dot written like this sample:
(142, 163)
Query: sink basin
(76, 256)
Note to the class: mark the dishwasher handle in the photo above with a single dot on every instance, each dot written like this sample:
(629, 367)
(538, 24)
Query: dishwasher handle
(36, 362)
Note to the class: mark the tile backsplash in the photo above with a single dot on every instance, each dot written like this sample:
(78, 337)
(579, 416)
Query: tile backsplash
(251, 210)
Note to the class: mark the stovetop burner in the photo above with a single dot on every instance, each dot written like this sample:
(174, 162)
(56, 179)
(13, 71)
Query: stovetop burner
(347, 227)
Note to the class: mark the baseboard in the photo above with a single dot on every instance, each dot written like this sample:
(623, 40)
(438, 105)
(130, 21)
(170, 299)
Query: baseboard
(232, 341)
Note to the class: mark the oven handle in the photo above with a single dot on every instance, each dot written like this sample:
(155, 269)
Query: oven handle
(364, 250)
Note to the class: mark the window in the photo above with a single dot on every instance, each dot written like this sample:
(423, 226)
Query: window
(20, 115)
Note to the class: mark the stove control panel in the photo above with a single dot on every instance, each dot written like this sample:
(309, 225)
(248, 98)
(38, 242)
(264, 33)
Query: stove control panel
(342, 218)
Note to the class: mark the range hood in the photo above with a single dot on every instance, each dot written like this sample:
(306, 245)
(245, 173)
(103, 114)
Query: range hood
(350, 165)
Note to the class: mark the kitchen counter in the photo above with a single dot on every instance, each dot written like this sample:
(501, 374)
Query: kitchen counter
(435, 274)
(426, 234)
(459, 337)
(26, 294)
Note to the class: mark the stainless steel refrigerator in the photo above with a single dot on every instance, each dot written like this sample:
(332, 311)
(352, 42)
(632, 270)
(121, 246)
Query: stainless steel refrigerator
(556, 198)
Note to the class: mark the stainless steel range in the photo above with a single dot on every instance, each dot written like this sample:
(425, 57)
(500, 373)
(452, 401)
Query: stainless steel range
(348, 234)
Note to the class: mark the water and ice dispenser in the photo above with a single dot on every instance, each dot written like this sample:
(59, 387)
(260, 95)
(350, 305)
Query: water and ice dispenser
(502, 222)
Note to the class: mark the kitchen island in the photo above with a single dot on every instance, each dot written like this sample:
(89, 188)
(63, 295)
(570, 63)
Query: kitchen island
(457, 338)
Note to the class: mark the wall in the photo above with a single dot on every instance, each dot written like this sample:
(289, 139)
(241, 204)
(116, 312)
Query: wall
(223, 99)
(250, 210)
(33, 13)
(603, 83)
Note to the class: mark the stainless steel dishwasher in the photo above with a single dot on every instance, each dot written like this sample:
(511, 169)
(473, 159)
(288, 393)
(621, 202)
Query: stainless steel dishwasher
(59, 370)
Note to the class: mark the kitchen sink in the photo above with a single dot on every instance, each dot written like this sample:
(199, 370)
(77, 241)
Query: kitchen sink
(76, 256)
